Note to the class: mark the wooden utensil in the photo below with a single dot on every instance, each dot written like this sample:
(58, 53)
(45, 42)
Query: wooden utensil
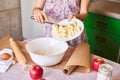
(18, 54)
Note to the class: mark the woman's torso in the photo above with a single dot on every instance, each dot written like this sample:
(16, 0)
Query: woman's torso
(58, 10)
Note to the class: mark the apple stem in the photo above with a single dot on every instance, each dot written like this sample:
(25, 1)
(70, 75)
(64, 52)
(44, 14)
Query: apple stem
(41, 79)
(99, 59)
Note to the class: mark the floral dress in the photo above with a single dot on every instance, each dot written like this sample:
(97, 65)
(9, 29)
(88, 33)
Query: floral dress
(58, 10)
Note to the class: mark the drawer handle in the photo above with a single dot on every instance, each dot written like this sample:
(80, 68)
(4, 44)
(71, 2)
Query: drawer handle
(102, 24)
(100, 39)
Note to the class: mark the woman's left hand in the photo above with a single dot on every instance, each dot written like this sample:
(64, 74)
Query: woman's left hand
(81, 16)
(71, 17)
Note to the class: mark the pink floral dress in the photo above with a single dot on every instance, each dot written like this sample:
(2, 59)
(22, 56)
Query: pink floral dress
(58, 10)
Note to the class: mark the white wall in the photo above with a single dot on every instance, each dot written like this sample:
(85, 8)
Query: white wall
(30, 28)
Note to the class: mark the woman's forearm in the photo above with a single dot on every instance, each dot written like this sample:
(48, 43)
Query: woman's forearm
(38, 12)
(84, 6)
(39, 4)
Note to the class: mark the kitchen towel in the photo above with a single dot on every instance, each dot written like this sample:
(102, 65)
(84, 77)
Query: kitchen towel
(5, 64)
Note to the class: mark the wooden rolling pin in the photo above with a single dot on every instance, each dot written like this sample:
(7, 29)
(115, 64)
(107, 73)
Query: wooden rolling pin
(18, 54)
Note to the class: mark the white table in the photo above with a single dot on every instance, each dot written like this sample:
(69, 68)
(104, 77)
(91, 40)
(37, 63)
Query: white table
(16, 72)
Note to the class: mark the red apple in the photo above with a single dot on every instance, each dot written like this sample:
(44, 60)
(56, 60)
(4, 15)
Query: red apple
(96, 63)
(36, 72)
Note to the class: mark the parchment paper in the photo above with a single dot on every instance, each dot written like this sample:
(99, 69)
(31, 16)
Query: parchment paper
(80, 59)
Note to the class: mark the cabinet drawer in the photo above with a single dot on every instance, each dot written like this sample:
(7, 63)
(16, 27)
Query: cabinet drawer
(103, 51)
(103, 38)
(103, 23)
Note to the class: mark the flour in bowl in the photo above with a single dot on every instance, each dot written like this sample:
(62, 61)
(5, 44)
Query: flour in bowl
(47, 51)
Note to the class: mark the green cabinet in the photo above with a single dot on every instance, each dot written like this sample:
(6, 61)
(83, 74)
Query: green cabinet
(103, 38)
(103, 51)
(103, 35)
(103, 23)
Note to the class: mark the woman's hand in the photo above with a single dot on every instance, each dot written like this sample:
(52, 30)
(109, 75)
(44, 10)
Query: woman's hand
(40, 15)
(81, 16)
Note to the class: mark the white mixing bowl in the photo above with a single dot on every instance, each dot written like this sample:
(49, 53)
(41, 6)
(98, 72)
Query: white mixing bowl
(46, 51)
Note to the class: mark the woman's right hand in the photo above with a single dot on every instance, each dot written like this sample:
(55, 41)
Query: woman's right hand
(40, 15)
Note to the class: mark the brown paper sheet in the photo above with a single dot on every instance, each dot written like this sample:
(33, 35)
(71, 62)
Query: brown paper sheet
(4, 42)
(77, 60)
(80, 59)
